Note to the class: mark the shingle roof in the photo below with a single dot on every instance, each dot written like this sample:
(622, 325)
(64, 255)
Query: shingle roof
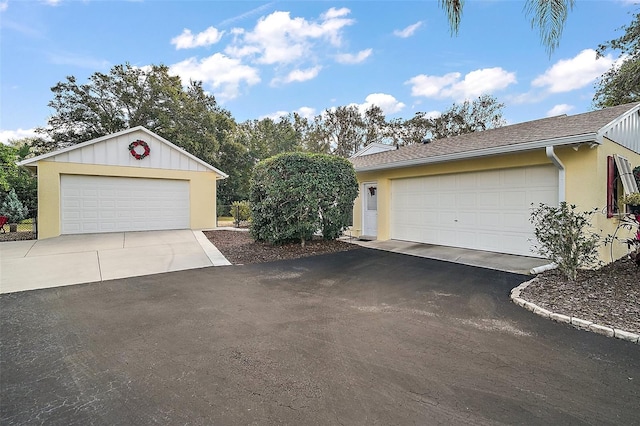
(517, 136)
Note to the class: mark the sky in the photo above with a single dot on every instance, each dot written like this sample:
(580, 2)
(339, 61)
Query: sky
(266, 59)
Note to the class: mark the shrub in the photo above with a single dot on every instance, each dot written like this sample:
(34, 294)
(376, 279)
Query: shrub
(295, 195)
(13, 208)
(241, 211)
(563, 237)
(631, 223)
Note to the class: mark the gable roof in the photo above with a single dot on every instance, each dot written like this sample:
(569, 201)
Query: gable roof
(62, 153)
(589, 127)
(374, 148)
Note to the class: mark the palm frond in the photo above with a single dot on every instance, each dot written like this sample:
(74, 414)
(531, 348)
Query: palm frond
(549, 16)
(453, 8)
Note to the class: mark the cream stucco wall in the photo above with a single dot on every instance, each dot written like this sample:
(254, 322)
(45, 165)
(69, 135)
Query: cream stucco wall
(585, 174)
(586, 187)
(384, 177)
(202, 188)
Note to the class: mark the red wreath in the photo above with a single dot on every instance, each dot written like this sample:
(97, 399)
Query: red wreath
(134, 153)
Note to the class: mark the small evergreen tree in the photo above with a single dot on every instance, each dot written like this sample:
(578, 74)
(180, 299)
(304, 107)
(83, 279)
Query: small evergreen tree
(13, 208)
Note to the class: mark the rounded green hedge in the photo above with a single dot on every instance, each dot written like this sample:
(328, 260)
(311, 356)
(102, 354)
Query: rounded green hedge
(295, 195)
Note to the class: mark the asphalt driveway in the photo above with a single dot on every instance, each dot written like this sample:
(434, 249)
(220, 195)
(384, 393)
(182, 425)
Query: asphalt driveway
(358, 337)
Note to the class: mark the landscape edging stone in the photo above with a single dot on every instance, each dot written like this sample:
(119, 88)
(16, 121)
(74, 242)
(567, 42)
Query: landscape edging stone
(516, 297)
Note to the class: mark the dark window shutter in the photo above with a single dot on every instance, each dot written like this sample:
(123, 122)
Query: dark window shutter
(611, 179)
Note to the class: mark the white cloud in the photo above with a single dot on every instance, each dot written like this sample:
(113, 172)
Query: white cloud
(244, 15)
(279, 39)
(408, 31)
(52, 2)
(575, 73)
(559, 110)
(474, 84)
(299, 75)
(335, 13)
(432, 114)
(187, 40)
(350, 58)
(223, 74)
(275, 116)
(431, 86)
(7, 135)
(4, 5)
(305, 112)
(387, 103)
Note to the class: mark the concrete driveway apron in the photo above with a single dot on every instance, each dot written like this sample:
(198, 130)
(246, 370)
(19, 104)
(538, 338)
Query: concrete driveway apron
(76, 259)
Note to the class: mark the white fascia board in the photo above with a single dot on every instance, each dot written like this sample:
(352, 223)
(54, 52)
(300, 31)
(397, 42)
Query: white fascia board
(506, 149)
(32, 161)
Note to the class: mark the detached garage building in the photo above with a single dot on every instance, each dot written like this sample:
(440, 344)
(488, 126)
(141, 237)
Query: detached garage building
(133, 180)
(476, 190)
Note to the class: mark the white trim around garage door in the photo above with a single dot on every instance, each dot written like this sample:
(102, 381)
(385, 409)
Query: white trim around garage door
(487, 210)
(95, 204)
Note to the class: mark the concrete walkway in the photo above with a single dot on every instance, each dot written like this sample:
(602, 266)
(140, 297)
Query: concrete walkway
(483, 259)
(76, 259)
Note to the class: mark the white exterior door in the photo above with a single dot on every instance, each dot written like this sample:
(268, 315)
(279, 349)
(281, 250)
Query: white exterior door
(486, 210)
(93, 204)
(370, 209)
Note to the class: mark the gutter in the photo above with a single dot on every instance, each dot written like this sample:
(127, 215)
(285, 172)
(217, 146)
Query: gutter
(506, 149)
(561, 197)
(561, 172)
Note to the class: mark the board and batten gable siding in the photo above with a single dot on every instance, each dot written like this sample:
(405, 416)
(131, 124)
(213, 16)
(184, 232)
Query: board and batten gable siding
(115, 152)
(625, 130)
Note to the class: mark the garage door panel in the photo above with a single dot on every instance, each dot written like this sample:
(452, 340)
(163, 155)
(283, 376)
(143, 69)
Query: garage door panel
(487, 210)
(446, 199)
(91, 204)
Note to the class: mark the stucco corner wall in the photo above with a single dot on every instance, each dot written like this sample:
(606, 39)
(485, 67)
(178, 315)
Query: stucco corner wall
(586, 187)
(202, 191)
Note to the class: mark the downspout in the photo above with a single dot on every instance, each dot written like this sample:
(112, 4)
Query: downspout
(551, 155)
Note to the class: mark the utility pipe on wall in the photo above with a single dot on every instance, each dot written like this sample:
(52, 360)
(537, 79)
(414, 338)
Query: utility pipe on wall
(561, 172)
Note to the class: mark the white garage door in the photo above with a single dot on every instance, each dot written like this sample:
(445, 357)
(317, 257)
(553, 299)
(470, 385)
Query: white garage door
(92, 204)
(486, 210)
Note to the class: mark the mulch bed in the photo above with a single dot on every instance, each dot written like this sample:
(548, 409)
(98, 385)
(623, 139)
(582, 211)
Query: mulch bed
(240, 249)
(609, 296)
(17, 236)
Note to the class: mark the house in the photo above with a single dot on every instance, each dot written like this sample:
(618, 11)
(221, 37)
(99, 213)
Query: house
(133, 180)
(476, 190)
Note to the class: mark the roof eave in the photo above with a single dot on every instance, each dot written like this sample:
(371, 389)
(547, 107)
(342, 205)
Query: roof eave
(32, 162)
(486, 152)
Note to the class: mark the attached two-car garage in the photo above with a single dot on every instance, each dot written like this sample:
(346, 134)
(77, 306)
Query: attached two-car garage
(486, 210)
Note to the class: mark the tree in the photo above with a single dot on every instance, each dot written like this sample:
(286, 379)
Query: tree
(482, 113)
(621, 84)
(17, 179)
(129, 96)
(549, 16)
(375, 125)
(13, 208)
(267, 137)
(295, 195)
(344, 129)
